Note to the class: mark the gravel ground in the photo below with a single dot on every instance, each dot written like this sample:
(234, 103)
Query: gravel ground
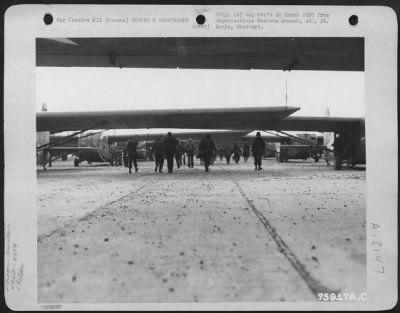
(233, 234)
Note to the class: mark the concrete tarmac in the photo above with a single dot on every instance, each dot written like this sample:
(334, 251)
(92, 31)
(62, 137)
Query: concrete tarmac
(285, 233)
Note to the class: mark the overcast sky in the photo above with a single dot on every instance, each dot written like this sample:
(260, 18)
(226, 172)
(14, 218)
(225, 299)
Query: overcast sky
(98, 89)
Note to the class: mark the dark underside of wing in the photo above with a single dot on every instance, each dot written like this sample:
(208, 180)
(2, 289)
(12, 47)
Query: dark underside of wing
(242, 53)
(221, 118)
(229, 135)
(320, 124)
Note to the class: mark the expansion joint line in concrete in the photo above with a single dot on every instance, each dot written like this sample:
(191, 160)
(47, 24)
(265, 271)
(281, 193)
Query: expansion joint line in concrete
(313, 284)
(87, 216)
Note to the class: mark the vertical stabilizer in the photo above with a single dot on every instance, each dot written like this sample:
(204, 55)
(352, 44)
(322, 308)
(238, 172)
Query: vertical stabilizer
(42, 138)
(329, 138)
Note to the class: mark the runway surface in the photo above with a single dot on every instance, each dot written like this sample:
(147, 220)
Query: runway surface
(285, 233)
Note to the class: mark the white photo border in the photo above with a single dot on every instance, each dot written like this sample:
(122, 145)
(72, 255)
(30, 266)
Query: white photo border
(24, 23)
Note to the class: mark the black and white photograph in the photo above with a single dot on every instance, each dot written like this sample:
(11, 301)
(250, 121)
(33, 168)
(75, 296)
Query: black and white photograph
(269, 206)
(203, 169)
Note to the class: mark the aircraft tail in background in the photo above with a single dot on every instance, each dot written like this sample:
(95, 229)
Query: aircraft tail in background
(329, 138)
(42, 138)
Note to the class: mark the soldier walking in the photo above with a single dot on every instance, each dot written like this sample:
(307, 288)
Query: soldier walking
(130, 151)
(228, 154)
(158, 151)
(236, 153)
(178, 153)
(206, 148)
(246, 152)
(170, 144)
(190, 151)
(258, 149)
(114, 154)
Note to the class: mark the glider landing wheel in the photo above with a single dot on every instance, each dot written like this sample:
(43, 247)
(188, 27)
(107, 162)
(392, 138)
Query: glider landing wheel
(76, 162)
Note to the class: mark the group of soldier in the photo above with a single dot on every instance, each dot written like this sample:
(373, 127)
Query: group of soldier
(170, 148)
(235, 152)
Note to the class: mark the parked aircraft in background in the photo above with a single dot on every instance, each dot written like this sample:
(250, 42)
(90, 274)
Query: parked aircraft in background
(311, 145)
(287, 146)
(91, 147)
